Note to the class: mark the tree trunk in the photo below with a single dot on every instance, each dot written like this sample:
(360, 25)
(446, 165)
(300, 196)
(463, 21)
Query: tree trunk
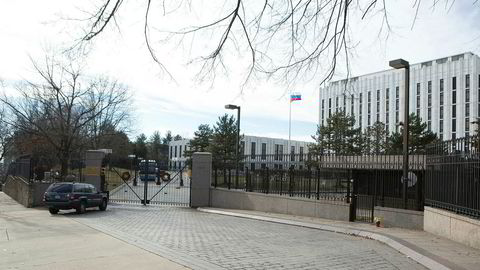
(64, 160)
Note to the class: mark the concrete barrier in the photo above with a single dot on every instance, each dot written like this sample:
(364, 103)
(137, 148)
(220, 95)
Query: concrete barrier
(25, 193)
(235, 199)
(400, 218)
(452, 226)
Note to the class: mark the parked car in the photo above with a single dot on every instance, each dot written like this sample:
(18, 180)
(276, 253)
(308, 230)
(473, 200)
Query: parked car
(70, 195)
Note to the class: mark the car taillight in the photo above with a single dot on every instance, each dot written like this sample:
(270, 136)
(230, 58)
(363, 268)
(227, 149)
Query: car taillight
(71, 196)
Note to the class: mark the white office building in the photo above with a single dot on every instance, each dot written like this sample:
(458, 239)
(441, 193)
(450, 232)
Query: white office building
(444, 92)
(258, 151)
(176, 153)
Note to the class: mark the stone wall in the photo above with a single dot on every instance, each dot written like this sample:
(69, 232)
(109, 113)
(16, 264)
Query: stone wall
(235, 199)
(25, 193)
(400, 218)
(455, 227)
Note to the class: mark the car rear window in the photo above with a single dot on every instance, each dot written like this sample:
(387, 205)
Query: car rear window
(60, 188)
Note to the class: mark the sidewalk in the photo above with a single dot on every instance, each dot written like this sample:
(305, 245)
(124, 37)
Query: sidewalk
(430, 250)
(30, 238)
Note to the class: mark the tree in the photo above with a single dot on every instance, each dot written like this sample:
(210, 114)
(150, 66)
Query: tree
(168, 138)
(339, 136)
(140, 147)
(224, 141)
(201, 140)
(61, 107)
(375, 139)
(419, 137)
(155, 145)
(177, 137)
(285, 38)
(6, 134)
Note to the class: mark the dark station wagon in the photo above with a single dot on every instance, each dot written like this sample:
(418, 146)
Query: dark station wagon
(78, 196)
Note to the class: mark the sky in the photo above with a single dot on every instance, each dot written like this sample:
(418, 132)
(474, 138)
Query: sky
(29, 28)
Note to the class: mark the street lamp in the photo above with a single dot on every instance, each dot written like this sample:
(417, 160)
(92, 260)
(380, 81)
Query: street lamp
(235, 107)
(399, 64)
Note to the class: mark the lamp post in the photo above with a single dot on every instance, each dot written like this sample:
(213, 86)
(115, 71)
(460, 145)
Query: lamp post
(399, 64)
(235, 107)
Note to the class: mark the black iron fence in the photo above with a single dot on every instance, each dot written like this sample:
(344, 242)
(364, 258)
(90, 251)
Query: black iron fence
(453, 176)
(328, 177)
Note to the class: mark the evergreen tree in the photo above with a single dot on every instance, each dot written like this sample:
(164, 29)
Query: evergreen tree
(224, 141)
(201, 140)
(419, 137)
(155, 145)
(140, 147)
(375, 139)
(168, 138)
(339, 136)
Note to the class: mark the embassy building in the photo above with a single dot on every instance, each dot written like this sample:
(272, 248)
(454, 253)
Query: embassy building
(444, 92)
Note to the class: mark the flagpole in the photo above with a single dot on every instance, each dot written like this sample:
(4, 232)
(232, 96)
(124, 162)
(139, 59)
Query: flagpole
(289, 127)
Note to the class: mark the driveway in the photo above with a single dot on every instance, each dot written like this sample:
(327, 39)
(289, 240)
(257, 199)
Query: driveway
(33, 239)
(209, 241)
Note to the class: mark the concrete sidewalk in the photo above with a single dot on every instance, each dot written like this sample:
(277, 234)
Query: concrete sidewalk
(30, 238)
(431, 251)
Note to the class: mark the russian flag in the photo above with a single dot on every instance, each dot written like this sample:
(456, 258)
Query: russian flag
(294, 97)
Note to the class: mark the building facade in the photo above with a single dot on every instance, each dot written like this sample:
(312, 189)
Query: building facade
(444, 92)
(258, 151)
(176, 153)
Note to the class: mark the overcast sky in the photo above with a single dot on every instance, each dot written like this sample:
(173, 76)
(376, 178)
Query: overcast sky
(27, 28)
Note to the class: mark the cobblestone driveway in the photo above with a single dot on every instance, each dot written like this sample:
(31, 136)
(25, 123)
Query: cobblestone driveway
(209, 241)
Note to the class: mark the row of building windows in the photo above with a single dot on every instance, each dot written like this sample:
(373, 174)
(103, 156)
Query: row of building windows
(418, 105)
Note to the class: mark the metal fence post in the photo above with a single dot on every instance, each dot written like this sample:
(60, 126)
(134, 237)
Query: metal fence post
(229, 178)
(318, 183)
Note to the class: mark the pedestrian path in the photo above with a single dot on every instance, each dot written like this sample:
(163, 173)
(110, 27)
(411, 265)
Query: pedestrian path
(430, 249)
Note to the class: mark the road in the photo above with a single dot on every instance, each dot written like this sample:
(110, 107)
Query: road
(209, 241)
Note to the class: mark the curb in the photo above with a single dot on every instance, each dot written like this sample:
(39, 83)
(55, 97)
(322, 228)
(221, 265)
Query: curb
(409, 252)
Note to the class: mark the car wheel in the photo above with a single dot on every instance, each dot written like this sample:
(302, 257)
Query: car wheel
(53, 211)
(103, 206)
(82, 208)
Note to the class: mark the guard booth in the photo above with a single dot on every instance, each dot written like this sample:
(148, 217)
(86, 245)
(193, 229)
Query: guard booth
(96, 162)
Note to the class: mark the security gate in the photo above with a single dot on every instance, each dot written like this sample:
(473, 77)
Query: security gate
(169, 188)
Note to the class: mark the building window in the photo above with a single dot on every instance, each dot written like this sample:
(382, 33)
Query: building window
(467, 81)
(277, 152)
(467, 110)
(351, 105)
(180, 151)
(441, 112)
(242, 148)
(175, 151)
(264, 151)
(292, 153)
(336, 104)
(454, 97)
(467, 95)
(301, 153)
(329, 107)
(454, 111)
(454, 83)
(429, 115)
(441, 126)
(454, 125)
(323, 110)
(171, 152)
(418, 89)
(441, 98)
(397, 92)
(467, 124)
(441, 85)
(252, 149)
